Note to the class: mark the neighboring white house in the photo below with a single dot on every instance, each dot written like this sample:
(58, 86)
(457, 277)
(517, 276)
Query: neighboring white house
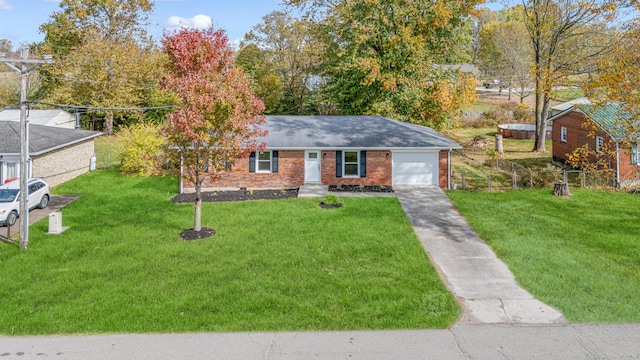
(557, 109)
(56, 154)
(57, 118)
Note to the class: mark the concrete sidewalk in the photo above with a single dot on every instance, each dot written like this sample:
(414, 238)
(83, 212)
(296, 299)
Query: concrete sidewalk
(461, 342)
(469, 267)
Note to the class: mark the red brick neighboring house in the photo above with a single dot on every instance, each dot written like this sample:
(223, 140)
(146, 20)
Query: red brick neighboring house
(595, 126)
(342, 150)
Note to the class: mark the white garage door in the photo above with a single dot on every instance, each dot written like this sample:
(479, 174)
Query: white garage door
(415, 168)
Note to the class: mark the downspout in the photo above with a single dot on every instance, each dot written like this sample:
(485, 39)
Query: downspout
(617, 165)
(449, 169)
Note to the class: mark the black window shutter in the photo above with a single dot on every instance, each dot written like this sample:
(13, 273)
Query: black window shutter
(339, 163)
(227, 165)
(363, 163)
(252, 162)
(274, 161)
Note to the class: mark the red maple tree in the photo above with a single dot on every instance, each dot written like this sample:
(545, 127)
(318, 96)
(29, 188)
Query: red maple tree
(219, 119)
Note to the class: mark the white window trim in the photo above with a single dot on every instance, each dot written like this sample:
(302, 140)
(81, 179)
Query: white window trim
(258, 161)
(344, 164)
(634, 149)
(599, 144)
(563, 134)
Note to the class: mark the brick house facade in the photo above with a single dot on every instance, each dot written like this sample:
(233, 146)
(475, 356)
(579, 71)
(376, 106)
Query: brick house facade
(341, 150)
(585, 124)
(290, 173)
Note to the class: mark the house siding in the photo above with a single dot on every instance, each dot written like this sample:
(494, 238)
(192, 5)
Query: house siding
(64, 164)
(578, 135)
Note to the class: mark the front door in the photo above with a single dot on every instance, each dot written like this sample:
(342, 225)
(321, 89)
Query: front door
(311, 166)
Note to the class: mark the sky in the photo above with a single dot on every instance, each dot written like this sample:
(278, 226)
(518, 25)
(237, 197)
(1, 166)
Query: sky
(21, 19)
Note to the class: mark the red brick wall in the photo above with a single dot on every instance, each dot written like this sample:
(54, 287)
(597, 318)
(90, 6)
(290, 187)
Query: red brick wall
(628, 171)
(378, 169)
(443, 176)
(290, 174)
(577, 135)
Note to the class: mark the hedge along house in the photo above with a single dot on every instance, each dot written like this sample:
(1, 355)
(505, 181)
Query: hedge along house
(342, 150)
(56, 154)
(596, 126)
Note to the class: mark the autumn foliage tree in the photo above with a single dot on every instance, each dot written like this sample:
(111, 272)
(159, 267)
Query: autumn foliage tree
(104, 57)
(616, 85)
(382, 57)
(219, 117)
(567, 37)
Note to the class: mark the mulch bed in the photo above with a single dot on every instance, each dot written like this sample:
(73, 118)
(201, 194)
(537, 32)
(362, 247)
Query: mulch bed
(330, 206)
(359, 188)
(196, 235)
(237, 195)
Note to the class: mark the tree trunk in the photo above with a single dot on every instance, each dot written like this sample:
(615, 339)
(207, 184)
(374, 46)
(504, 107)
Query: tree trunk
(499, 147)
(561, 188)
(108, 123)
(197, 218)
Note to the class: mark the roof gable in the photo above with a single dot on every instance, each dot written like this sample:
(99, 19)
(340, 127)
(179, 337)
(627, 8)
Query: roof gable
(362, 132)
(42, 139)
(58, 117)
(608, 117)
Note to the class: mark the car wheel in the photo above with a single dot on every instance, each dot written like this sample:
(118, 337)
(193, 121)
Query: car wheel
(44, 202)
(11, 218)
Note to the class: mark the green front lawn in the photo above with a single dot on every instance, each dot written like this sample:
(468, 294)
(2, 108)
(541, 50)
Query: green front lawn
(579, 254)
(279, 265)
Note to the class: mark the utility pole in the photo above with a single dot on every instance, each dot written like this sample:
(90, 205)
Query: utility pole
(24, 136)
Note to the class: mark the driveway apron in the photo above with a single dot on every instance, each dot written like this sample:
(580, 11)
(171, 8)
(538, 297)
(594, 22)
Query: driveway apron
(470, 269)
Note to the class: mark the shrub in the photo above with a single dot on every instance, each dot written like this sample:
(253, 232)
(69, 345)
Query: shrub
(331, 199)
(141, 149)
(545, 176)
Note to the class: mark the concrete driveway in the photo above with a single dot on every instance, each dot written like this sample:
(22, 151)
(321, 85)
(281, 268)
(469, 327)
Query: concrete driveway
(483, 284)
(56, 203)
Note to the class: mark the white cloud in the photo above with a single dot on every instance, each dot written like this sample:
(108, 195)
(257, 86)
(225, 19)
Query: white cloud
(197, 22)
(6, 5)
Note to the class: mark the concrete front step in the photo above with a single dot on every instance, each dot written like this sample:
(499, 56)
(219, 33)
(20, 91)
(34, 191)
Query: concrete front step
(313, 190)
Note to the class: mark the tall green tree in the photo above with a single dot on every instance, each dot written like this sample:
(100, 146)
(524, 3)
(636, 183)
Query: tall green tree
(382, 57)
(219, 118)
(104, 57)
(282, 56)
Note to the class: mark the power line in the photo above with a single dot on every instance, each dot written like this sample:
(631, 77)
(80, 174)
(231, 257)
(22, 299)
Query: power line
(100, 108)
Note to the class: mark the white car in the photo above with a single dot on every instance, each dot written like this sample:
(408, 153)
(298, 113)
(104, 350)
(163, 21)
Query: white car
(39, 196)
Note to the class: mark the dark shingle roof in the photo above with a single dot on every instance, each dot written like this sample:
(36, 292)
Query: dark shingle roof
(42, 139)
(361, 132)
